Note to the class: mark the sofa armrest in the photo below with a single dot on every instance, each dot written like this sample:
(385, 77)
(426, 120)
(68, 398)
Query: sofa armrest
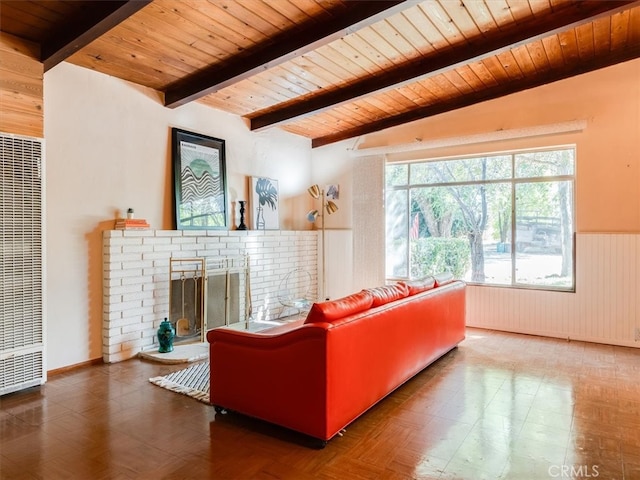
(279, 378)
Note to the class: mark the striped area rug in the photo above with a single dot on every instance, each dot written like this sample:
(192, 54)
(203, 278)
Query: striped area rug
(192, 381)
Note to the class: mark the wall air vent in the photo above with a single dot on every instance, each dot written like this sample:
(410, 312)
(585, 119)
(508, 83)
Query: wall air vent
(21, 263)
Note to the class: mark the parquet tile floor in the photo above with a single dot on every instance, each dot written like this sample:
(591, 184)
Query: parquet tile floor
(500, 406)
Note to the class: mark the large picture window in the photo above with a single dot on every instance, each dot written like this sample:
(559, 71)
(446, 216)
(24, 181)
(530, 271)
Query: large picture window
(503, 219)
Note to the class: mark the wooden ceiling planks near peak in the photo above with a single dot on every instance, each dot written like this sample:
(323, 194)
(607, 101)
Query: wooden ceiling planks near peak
(331, 69)
(293, 39)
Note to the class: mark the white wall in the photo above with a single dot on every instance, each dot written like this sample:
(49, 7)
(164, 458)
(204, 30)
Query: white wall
(330, 166)
(108, 148)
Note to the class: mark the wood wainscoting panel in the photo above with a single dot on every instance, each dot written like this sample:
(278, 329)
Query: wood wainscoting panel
(605, 308)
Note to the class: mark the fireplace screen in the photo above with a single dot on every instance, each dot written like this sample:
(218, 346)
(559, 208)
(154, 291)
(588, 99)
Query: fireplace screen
(206, 293)
(223, 306)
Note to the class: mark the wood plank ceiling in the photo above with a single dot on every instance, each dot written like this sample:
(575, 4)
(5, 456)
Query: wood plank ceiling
(331, 69)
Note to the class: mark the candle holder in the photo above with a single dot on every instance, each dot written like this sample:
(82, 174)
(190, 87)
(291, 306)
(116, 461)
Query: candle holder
(242, 226)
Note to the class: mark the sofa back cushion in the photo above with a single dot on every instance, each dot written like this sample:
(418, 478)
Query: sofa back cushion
(420, 285)
(388, 293)
(443, 278)
(340, 308)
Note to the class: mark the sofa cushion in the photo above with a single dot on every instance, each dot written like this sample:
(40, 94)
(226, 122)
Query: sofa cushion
(420, 285)
(388, 293)
(443, 278)
(340, 308)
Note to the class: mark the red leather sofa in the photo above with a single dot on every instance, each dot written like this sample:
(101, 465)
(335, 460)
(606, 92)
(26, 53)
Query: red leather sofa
(318, 375)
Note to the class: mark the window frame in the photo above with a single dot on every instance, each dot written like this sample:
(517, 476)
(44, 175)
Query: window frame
(513, 180)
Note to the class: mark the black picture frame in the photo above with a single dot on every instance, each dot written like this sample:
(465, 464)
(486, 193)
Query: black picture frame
(200, 180)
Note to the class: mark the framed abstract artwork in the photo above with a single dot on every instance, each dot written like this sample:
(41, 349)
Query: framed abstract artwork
(199, 174)
(264, 204)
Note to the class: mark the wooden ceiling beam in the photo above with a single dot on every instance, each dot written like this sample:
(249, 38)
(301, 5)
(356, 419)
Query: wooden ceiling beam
(491, 93)
(78, 31)
(281, 48)
(577, 13)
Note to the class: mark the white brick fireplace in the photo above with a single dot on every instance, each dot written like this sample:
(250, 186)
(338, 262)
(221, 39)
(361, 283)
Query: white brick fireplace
(136, 276)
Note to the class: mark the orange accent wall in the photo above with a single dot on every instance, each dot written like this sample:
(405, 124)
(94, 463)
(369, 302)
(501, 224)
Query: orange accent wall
(608, 149)
(21, 87)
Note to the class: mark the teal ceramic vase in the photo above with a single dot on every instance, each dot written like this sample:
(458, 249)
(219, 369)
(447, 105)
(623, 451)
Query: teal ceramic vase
(166, 334)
